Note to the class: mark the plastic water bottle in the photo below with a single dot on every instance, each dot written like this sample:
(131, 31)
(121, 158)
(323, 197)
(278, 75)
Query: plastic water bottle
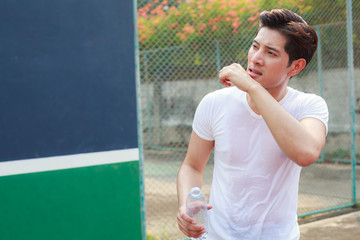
(196, 208)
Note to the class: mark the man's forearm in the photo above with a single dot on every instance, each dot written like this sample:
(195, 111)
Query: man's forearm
(191, 171)
(188, 178)
(298, 143)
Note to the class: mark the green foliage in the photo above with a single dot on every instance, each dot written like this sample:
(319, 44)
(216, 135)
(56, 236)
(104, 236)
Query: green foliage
(169, 23)
(194, 21)
(191, 35)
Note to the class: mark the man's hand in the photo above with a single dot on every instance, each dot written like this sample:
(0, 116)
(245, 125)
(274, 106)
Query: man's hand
(237, 75)
(188, 225)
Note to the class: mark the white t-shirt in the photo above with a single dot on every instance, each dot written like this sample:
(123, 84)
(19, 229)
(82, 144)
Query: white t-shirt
(254, 191)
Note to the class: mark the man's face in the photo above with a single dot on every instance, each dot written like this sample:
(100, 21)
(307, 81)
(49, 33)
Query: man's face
(267, 59)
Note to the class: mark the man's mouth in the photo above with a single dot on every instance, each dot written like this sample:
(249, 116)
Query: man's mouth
(254, 73)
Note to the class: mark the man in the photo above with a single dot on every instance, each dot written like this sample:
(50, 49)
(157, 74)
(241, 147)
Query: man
(262, 132)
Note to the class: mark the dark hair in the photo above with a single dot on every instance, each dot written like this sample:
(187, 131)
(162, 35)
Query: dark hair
(301, 38)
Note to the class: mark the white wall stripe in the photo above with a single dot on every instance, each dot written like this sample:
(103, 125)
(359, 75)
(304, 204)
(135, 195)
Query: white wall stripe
(68, 161)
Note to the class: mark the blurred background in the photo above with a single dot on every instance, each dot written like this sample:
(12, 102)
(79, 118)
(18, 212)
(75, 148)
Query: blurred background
(183, 45)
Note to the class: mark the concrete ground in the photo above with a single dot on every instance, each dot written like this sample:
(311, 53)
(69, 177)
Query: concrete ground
(342, 227)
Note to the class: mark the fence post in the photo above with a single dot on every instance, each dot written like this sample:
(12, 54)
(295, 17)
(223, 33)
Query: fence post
(352, 89)
(148, 107)
(218, 59)
(218, 64)
(320, 75)
(139, 121)
(319, 60)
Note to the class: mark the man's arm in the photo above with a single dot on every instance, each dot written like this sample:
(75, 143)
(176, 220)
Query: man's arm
(191, 175)
(302, 141)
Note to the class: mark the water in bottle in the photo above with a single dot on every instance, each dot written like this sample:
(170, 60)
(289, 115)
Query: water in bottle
(196, 208)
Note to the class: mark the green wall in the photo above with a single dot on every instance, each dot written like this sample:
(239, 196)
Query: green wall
(98, 202)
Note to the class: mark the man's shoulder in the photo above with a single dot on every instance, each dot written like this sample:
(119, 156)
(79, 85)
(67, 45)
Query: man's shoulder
(303, 100)
(222, 97)
(304, 96)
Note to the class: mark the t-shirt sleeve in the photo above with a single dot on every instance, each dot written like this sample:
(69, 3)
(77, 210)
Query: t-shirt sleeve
(316, 107)
(202, 119)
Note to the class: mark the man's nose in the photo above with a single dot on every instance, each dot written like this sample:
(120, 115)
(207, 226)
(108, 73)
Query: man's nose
(258, 58)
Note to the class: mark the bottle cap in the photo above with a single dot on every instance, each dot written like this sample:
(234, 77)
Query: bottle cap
(195, 192)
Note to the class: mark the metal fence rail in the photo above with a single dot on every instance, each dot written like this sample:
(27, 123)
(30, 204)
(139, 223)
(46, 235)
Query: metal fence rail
(174, 79)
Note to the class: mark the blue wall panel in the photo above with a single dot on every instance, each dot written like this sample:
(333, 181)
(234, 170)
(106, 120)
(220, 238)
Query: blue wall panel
(67, 77)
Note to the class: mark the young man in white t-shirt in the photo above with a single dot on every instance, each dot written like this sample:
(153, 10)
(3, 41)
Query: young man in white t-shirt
(262, 132)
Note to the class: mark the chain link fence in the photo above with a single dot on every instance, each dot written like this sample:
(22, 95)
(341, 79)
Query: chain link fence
(183, 45)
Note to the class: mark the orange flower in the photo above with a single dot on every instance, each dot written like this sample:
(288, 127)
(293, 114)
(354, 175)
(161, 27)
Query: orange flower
(165, 2)
(231, 13)
(182, 36)
(142, 14)
(234, 3)
(156, 20)
(154, 11)
(142, 37)
(174, 25)
(202, 27)
(189, 28)
(236, 23)
(213, 21)
(253, 18)
(141, 26)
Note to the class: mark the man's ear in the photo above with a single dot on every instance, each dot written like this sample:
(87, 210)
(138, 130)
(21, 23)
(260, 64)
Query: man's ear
(296, 67)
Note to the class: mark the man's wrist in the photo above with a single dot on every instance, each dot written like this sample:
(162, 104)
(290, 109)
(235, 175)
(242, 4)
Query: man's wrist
(254, 87)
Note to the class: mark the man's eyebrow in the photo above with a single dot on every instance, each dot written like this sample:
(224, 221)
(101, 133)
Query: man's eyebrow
(271, 48)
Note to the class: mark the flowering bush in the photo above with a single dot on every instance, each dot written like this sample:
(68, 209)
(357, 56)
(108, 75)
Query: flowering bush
(209, 33)
(164, 24)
